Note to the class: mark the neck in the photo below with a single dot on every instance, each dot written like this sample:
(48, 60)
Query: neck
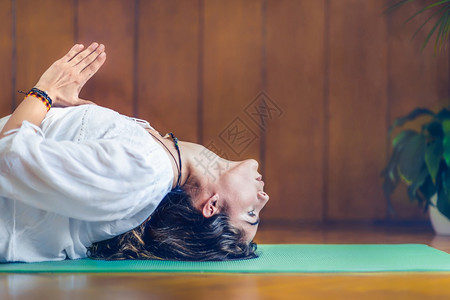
(197, 161)
(201, 163)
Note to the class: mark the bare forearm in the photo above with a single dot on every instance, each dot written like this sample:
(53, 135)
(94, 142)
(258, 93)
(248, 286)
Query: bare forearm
(31, 109)
(62, 82)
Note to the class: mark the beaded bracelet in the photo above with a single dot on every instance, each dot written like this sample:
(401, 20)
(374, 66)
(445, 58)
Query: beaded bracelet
(43, 96)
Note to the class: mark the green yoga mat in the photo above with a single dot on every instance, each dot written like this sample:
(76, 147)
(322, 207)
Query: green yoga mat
(273, 259)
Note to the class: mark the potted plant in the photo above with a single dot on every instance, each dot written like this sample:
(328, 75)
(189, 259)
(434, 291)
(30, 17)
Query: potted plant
(421, 159)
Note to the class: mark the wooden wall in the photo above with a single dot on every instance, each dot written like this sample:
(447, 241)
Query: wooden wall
(308, 87)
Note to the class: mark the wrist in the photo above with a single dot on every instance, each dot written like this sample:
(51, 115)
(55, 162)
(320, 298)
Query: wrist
(47, 90)
(41, 95)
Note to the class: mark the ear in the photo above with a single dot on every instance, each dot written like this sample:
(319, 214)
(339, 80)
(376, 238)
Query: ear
(211, 206)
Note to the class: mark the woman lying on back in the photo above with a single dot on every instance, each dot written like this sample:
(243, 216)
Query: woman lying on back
(84, 180)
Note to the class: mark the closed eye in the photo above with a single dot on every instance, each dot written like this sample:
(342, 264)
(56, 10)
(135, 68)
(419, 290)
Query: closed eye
(253, 215)
(254, 223)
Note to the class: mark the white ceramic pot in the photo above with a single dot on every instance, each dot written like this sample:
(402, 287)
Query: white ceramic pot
(441, 224)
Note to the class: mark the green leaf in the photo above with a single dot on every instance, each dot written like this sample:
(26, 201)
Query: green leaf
(428, 188)
(446, 141)
(398, 144)
(427, 20)
(402, 137)
(443, 202)
(411, 159)
(426, 8)
(446, 127)
(417, 182)
(446, 182)
(434, 129)
(410, 117)
(433, 30)
(443, 22)
(390, 173)
(433, 156)
(396, 5)
(389, 187)
(443, 115)
(439, 37)
(443, 205)
(446, 31)
(446, 145)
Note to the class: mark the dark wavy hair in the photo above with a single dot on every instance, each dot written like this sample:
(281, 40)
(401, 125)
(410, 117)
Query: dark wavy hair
(178, 231)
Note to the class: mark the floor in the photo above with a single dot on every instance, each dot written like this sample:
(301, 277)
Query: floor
(249, 286)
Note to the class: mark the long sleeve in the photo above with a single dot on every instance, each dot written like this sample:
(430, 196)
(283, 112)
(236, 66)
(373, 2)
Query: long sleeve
(92, 180)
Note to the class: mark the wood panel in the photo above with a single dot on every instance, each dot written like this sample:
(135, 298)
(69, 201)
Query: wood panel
(295, 70)
(232, 76)
(416, 79)
(168, 66)
(6, 57)
(357, 109)
(202, 64)
(110, 22)
(44, 34)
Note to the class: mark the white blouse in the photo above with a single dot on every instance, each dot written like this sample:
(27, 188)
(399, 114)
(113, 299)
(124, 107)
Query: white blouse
(85, 175)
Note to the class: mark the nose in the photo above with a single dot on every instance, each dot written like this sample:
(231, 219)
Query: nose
(264, 198)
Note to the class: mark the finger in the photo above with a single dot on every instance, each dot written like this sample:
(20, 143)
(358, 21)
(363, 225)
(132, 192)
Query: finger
(90, 70)
(91, 57)
(72, 52)
(80, 56)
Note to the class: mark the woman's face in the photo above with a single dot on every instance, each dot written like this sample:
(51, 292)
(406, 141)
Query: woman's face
(241, 188)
